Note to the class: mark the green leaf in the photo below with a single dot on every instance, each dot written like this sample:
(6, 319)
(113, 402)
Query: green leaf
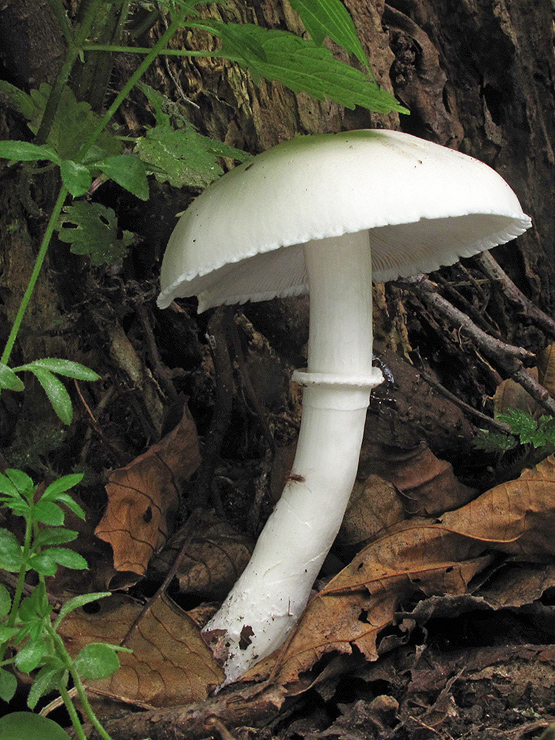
(26, 725)
(23, 483)
(520, 423)
(17, 99)
(96, 660)
(49, 513)
(183, 157)
(330, 18)
(8, 687)
(64, 498)
(63, 367)
(77, 602)
(67, 558)
(303, 66)
(76, 177)
(494, 441)
(74, 122)
(9, 380)
(49, 677)
(128, 171)
(92, 230)
(11, 554)
(30, 655)
(8, 488)
(6, 633)
(24, 151)
(54, 536)
(5, 601)
(56, 392)
(65, 483)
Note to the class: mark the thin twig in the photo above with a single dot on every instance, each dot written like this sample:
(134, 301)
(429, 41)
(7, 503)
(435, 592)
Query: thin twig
(508, 357)
(513, 294)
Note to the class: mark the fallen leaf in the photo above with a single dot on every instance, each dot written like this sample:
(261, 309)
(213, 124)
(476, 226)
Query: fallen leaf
(415, 560)
(428, 484)
(143, 498)
(214, 559)
(170, 663)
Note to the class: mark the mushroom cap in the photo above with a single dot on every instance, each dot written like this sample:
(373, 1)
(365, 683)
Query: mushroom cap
(426, 206)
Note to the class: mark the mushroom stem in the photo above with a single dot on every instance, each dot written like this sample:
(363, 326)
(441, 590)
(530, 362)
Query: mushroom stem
(270, 595)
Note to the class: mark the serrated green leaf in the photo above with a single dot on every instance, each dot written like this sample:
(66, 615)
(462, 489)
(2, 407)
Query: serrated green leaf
(25, 151)
(76, 177)
(8, 488)
(64, 498)
(520, 423)
(49, 513)
(92, 230)
(8, 685)
(5, 601)
(56, 392)
(184, 157)
(77, 602)
(303, 66)
(494, 441)
(11, 556)
(23, 483)
(96, 660)
(67, 558)
(65, 483)
(54, 536)
(30, 655)
(9, 380)
(128, 171)
(330, 18)
(49, 677)
(74, 122)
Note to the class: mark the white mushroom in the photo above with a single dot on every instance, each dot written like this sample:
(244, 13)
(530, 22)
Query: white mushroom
(326, 215)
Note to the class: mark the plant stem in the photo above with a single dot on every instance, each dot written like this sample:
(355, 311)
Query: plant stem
(73, 51)
(34, 275)
(135, 77)
(68, 661)
(59, 12)
(74, 717)
(146, 50)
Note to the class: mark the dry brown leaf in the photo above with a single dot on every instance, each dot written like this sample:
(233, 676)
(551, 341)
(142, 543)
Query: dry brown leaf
(546, 368)
(214, 558)
(170, 663)
(427, 483)
(143, 498)
(414, 560)
(374, 507)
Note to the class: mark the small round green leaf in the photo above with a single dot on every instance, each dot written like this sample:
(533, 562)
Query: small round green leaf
(96, 660)
(30, 656)
(25, 725)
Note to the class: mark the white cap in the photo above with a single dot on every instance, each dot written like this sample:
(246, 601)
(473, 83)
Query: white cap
(426, 205)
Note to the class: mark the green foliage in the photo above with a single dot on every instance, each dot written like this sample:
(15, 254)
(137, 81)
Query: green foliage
(300, 64)
(330, 18)
(92, 230)
(524, 430)
(45, 370)
(26, 725)
(26, 623)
